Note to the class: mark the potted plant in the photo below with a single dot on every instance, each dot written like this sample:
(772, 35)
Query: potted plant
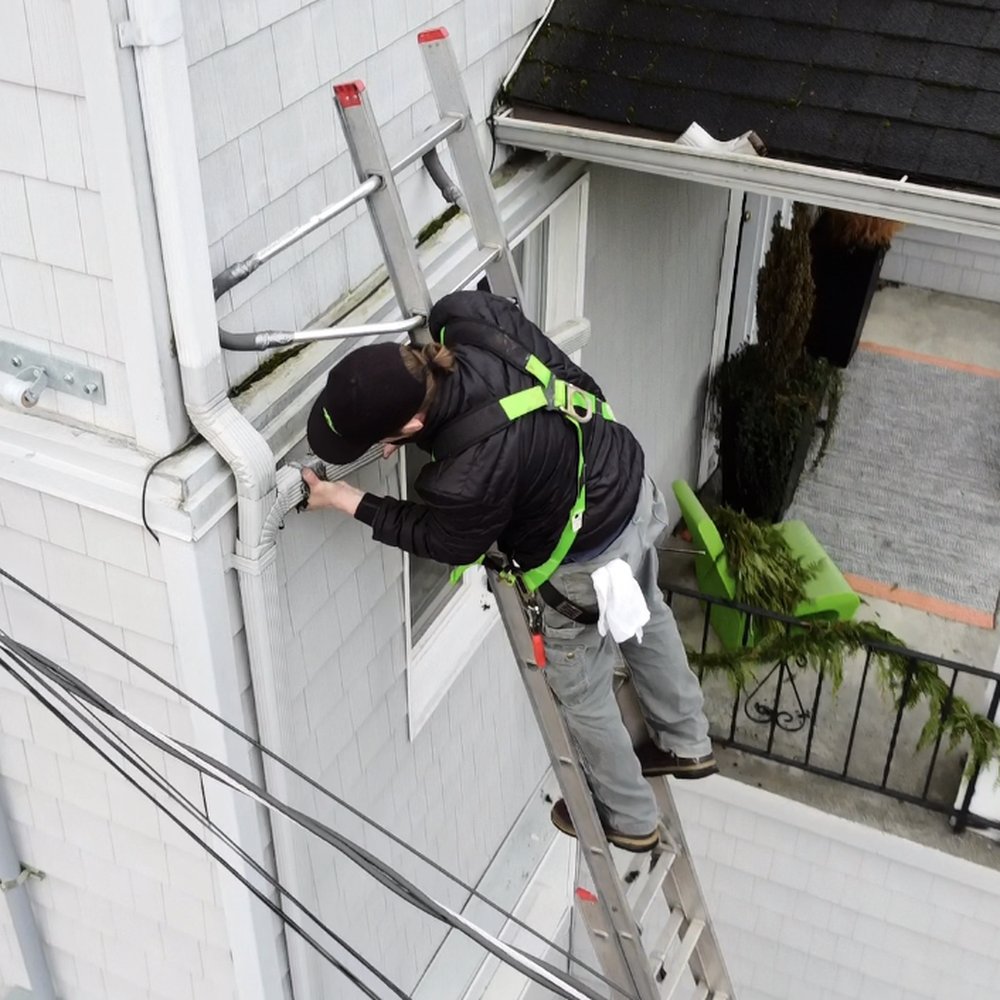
(767, 396)
(847, 254)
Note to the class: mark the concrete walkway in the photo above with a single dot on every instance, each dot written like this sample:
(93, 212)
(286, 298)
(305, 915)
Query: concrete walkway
(946, 326)
(966, 331)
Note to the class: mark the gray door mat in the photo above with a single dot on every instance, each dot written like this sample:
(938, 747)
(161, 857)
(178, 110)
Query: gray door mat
(908, 493)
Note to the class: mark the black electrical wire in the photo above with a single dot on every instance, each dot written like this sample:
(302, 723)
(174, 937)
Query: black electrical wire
(291, 768)
(527, 965)
(149, 475)
(202, 816)
(215, 855)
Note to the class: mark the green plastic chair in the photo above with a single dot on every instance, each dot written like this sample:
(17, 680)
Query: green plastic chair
(828, 597)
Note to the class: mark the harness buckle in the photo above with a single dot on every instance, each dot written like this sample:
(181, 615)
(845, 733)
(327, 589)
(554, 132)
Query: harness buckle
(578, 404)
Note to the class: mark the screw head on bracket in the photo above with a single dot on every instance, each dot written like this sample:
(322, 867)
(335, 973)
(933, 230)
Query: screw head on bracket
(16, 361)
(69, 378)
(90, 388)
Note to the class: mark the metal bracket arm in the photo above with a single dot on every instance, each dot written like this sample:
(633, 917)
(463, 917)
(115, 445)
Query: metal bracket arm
(27, 871)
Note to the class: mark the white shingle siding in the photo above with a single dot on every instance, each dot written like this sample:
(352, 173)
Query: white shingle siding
(15, 49)
(283, 138)
(129, 907)
(298, 73)
(53, 241)
(944, 262)
(78, 297)
(60, 123)
(22, 151)
(55, 222)
(54, 54)
(808, 904)
(447, 792)
(15, 223)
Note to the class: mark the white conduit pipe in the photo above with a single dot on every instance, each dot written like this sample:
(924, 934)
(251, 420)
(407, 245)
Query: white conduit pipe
(22, 917)
(155, 32)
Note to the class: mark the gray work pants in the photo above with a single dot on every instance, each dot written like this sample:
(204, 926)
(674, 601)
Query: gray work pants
(580, 669)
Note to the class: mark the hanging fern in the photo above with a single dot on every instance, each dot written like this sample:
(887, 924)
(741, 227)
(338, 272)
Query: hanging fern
(770, 576)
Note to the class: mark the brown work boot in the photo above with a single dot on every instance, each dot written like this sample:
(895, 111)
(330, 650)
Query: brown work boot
(656, 763)
(635, 842)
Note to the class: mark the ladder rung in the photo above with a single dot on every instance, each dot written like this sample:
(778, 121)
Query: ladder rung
(427, 140)
(680, 958)
(645, 893)
(668, 935)
(461, 276)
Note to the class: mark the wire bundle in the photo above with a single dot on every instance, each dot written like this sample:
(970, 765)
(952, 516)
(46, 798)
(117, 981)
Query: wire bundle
(88, 714)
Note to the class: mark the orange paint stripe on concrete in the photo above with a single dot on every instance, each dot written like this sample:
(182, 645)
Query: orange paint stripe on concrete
(922, 602)
(930, 359)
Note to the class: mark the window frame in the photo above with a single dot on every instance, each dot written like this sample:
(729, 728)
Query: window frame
(552, 273)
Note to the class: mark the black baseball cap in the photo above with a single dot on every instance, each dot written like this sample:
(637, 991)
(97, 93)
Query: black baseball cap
(368, 396)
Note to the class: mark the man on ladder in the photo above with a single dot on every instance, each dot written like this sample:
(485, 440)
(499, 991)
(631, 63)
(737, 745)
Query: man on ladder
(527, 456)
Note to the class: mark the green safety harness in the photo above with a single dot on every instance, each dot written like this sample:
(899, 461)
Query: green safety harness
(577, 405)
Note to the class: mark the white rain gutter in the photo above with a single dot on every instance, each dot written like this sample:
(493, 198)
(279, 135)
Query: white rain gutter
(155, 32)
(938, 208)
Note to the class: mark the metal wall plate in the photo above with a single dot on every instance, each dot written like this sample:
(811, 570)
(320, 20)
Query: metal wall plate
(63, 376)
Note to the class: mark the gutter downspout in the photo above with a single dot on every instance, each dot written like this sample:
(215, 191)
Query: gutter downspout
(155, 31)
(13, 879)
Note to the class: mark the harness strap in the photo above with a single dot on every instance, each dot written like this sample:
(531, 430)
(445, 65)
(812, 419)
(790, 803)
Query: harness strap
(577, 405)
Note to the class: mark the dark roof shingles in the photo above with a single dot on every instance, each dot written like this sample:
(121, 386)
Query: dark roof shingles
(904, 86)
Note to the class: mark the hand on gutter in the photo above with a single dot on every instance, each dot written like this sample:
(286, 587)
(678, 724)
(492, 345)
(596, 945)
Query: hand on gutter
(339, 495)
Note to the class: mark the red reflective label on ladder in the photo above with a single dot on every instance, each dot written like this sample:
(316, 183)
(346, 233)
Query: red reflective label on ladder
(538, 646)
(586, 895)
(349, 94)
(432, 35)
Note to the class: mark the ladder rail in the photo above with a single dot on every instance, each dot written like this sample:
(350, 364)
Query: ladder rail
(682, 889)
(385, 207)
(618, 944)
(473, 175)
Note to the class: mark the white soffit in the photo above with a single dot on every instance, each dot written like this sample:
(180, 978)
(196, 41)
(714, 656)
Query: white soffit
(938, 208)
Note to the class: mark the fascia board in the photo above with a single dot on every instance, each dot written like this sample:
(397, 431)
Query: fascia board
(938, 208)
(87, 468)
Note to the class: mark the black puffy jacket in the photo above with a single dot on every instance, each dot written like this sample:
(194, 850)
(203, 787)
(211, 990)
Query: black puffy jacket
(516, 487)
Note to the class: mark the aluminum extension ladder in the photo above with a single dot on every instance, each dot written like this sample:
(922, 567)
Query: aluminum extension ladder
(617, 895)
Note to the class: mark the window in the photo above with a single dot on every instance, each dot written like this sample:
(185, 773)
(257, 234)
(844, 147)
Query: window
(447, 623)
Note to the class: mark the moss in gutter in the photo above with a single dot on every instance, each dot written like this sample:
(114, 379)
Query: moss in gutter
(437, 224)
(267, 366)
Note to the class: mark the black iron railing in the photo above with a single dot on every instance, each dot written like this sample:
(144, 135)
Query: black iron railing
(857, 734)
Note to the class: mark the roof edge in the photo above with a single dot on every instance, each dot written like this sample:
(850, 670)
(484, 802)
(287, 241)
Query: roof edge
(596, 142)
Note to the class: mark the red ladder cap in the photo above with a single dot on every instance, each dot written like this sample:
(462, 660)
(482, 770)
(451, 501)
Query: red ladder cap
(432, 35)
(586, 895)
(349, 94)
